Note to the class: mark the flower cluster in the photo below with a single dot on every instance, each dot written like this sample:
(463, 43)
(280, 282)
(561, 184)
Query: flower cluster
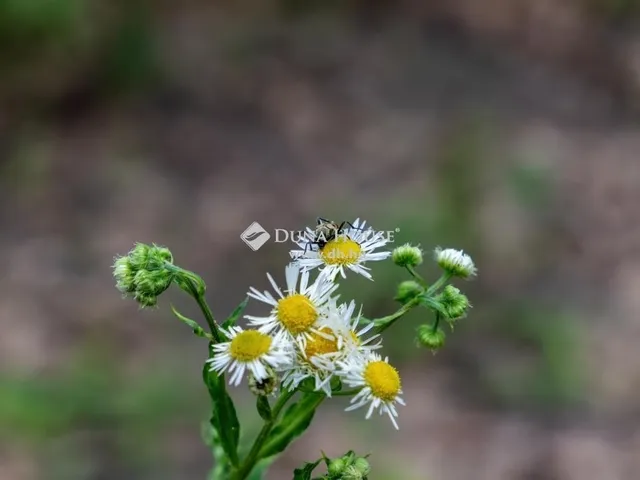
(308, 340)
(309, 337)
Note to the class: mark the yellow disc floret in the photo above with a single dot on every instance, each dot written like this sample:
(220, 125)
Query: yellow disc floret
(383, 380)
(296, 313)
(341, 251)
(321, 342)
(249, 345)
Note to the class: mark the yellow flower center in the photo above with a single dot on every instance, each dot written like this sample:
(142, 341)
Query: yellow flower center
(296, 313)
(249, 345)
(383, 380)
(341, 251)
(318, 344)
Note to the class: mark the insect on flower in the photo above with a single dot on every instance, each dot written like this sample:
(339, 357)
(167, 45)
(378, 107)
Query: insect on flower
(325, 231)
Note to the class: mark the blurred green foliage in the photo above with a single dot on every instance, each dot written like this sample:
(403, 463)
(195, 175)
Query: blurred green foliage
(95, 394)
(29, 25)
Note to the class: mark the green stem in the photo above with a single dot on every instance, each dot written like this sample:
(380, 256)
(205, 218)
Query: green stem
(438, 284)
(385, 322)
(208, 315)
(436, 323)
(339, 393)
(253, 456)
(195, 286)
(416, 275)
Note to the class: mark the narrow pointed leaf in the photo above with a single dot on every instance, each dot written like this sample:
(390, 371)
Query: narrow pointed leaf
(223, 414)
(433, 304)
(305, 472)
(197, 329)
(233, 318)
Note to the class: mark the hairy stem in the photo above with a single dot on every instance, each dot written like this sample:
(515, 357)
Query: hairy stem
(385, 322)
(417, 276)
(438, 284)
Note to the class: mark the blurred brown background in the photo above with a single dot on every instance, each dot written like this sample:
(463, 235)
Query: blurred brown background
(504, 127)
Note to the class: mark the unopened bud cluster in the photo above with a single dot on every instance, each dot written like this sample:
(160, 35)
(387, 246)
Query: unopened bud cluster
(446, 301)
(348, 467)
(143, 274)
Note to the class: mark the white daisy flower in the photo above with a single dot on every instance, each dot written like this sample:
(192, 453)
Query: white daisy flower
(298, 309)
(316, 357)
(351, 336)
(337, 339)
(380, 382)
(455, 262)
(250, 350)
(350, 249)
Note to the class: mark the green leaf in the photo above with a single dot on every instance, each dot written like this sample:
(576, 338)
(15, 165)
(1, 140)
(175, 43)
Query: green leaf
(305, 472)
(223, 414)
(197, 329)
(264, 409)
(295, 421)
(433, 304)
(233, 318)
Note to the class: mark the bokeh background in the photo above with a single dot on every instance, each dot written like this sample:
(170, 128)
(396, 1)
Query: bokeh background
(504, 127)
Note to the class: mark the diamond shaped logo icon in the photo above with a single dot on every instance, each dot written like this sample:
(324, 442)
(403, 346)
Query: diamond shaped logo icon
(255, 236)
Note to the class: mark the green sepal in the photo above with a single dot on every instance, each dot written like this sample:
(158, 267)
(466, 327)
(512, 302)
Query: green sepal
(223, 414)
(305, 472)
(233, 318)
(263, 407)
(197, 329)
(294, 422)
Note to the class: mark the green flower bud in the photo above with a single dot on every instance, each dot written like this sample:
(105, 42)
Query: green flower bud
(407, 291)
(336, 467)
(455, 262)
(454, 302)
(407, 256)
(143, 273)
(352, 473)
(152, 282)
(266, 386)
(362, 465)
(145, 301)
(149, 257)
(124, 273)
(429, 338)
